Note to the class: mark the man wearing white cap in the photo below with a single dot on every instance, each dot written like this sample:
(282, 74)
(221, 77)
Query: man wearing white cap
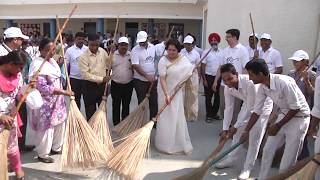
(13, 39)
(252, 47)
(160, 48)
(143, 63)
(270, 55)
(193, 56)
(121, 81)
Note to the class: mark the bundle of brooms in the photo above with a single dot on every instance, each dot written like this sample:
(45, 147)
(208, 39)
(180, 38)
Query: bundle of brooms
(99, 121)
(4, 135)
(126, 160)
(139, 117)
(81, 148)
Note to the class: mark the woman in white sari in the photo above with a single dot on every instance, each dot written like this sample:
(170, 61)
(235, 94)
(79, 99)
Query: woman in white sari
(172, 134)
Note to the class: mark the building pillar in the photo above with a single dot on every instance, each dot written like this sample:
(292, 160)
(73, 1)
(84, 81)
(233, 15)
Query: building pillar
(150, 27)
(53, 28)
(8, 23)
(100, 26)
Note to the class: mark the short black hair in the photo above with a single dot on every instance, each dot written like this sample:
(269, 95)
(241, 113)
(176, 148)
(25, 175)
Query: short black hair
(228, 68)
(80, 34)
(258, 65)
(93, 37)
(17, 57)
(234, 32)
(43, 43)
(175, 43)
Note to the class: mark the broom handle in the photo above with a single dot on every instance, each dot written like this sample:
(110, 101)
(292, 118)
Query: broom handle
(179, 86)
(111, 59)
(35, 76)
(254, 36)
(215, 152)
(64, 62)
(155, 74)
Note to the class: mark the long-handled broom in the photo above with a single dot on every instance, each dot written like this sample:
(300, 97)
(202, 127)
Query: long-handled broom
(127, 158)
(81, 149)
(139, 117)
(4, 135)
(99, 121)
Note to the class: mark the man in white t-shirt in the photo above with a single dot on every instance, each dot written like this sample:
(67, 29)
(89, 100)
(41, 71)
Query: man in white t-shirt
(161, 48)
(143, 64)
(270, 55)
(209, 68)
(237, 55)
(252, 47)
(13, 39)
(72, 59)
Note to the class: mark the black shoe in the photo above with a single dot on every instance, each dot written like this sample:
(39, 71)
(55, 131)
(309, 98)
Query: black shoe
(55, 152)
(216, 117)
(209, 119)
(46, 159)
(27, 148)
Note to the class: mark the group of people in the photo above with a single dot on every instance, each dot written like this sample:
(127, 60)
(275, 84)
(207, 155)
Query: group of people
(244, 83)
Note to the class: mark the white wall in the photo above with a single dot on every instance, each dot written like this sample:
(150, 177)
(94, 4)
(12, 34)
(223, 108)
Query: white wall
(293, 24)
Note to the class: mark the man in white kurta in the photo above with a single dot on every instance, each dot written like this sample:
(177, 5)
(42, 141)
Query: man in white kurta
(239, 86)
(292, 123)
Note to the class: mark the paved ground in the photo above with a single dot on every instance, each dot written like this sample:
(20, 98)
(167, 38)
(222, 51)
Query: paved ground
(157, 167)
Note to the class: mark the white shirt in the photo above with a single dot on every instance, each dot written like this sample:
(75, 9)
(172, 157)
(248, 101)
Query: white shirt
(72, 57)
(246, 91)
(144, 57)
(160, 48)
(238, 56)
(317, 65)
(316, 107)
(4, 49)
(272, 57)
(193, 56)
(285, 93)
(199, 50)
(251, 51)
(212, 61)
(121, 68)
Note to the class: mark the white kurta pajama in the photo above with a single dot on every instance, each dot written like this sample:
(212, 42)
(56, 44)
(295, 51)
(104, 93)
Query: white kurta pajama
(286, 95)
(246, 91)
(172, 134)
(316, 113)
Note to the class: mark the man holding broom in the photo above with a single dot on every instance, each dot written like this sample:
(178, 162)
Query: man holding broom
(292, 123)
(239, 86)
(93, 65)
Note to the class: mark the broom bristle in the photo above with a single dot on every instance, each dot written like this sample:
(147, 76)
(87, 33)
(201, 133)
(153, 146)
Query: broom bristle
(127, 158)
(81, 148)
(4, 136)
(308, 172)
(135, 120)
(99, 124)
(196, 174)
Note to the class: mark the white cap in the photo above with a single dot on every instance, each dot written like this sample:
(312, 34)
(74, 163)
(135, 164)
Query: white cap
(255, 34)
(265, 36)
(123, 40)
(14, 32)
(142, 36)
(299, 55)
(188, 39)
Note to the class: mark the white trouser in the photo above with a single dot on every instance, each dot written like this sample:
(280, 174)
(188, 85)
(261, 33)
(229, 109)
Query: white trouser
(292, 134)
(30, 133)
(317, 150)
(50, 139)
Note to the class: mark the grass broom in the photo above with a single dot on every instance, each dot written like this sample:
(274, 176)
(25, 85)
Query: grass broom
(99, 121)
(4, 135)
(139, 117)
(81, 148)
(127, 158)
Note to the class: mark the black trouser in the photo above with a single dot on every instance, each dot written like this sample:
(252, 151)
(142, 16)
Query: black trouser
(121, 94)
(23, 129)
(92, 97)
(211, 109)
(77, 86)
(141, 88)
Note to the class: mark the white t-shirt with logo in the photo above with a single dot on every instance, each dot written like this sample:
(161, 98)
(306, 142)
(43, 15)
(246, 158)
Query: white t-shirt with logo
(193, 56)
(144, 57)
(272, 57)
(212, 61)
(238, 56)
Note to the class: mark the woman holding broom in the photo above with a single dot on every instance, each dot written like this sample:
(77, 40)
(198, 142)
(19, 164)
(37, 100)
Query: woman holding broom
(10, 85)
(172, 135)
(49, 120)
